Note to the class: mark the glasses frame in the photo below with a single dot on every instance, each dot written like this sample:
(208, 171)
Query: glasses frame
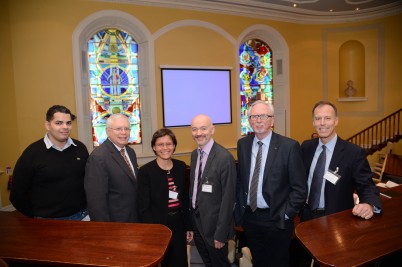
(121, 129)
(263, 117)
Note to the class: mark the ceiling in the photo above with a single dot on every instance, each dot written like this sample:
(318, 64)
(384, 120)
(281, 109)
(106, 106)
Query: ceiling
(304, 11)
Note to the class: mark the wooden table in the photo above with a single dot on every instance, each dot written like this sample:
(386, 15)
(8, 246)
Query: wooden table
(81, 243)
(342, 239)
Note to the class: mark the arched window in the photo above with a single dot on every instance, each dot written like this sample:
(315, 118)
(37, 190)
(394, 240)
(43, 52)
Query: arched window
(114, 87)
(133, 70)
(271, 83)
(256, 77)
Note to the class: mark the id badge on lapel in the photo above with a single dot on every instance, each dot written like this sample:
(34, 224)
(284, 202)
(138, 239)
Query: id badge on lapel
(206, 187)
(332, 176)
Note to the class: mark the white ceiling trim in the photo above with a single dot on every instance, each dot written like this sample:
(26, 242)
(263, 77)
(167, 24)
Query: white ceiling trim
(273, 12)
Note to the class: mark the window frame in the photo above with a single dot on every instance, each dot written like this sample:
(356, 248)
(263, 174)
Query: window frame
(131, 25)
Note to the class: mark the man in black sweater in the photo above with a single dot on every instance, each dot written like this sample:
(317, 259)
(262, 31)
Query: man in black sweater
(48, 179)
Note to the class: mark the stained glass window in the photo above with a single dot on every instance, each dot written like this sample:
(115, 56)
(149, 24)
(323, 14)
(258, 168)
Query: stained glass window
(113, 74)
(255, 77)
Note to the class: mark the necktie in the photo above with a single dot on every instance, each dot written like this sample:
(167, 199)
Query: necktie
(123, 154)
(200, 166)
(316, 182)
(255, 178)
(197, 183)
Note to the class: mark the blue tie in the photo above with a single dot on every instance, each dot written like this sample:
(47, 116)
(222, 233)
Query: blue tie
(316, 182)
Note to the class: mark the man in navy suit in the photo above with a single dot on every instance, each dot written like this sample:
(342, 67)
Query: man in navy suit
(212, 194)
(280, 188)
(111, 175)
(346, 170)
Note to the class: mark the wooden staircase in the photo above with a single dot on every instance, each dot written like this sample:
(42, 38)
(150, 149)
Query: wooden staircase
(376, 137)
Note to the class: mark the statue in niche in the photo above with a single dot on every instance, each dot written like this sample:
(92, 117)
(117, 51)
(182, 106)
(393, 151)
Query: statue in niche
(350, 90)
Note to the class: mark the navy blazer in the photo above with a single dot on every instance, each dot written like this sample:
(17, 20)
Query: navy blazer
(284, 181)
(110, 186)
(355, 172)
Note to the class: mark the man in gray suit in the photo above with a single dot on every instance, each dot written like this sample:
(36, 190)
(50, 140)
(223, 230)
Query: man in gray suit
(110, 175)
(212, 194)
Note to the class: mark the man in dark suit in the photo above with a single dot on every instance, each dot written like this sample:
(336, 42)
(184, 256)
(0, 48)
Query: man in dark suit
(266, 207)
(345, 170)
(212, 194)
(110, 175)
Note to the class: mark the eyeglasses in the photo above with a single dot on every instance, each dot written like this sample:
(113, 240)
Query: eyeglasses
(121, 129)
(263, 117)
(160, 145)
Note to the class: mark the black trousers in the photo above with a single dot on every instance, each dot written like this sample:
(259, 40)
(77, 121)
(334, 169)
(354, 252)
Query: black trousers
(176, 254)
(211, 256)
(268, 244)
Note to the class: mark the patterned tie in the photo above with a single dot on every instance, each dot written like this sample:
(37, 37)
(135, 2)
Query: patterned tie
(316, 182)
(123, 154)
(195, 188)
(255, 178)
(200, 166)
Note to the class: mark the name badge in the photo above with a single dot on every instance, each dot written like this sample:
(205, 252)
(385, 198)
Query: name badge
(173, 194)
(332, 177)
(207, 188)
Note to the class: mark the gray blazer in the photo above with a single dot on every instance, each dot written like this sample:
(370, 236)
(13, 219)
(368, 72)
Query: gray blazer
(110, 186)
(216, 208)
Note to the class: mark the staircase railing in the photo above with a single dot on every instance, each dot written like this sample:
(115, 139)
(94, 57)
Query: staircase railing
(376, 136)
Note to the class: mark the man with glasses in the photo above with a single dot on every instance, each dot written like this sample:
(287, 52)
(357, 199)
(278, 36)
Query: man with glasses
(111, 175)
(48, 179)
(271, 188)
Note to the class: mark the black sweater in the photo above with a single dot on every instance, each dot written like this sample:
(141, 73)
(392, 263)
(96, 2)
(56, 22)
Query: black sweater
(49, 183)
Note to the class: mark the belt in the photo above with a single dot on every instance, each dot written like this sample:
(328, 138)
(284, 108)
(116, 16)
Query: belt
(262, 210)
(195, 211)
(318, 211)
(172, 213)
(259, 209)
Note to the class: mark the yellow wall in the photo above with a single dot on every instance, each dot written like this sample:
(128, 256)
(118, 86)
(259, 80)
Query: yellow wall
(37, 69)
(9, 129)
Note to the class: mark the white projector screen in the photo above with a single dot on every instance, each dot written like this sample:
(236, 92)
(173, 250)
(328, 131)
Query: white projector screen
(188, 92)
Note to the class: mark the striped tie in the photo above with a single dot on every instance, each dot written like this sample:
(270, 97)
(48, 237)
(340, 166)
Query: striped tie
(200, 166)
(123, 154)
(255, 178)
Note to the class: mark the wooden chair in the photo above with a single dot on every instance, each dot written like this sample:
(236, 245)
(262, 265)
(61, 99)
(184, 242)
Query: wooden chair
(379, 167)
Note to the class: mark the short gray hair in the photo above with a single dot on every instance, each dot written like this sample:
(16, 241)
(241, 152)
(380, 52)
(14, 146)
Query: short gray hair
(269, 105)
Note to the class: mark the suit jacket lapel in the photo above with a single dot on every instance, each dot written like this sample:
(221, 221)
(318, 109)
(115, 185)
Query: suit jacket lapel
(309, 152)
(337, 154)
(116, 156)
(272, 153)
(248, 152)
(207, 165)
